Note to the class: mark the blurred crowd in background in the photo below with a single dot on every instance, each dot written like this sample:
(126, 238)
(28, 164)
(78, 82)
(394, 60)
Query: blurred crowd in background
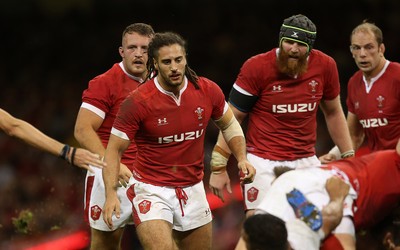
(51, 49)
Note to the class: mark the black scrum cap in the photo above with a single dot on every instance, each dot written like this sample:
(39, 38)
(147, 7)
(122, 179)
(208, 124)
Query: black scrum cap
(300, 29)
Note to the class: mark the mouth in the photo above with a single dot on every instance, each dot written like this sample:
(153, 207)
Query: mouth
(175, 77)
(138, 62)
(363, 64)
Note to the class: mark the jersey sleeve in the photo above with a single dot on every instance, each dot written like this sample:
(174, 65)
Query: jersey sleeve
(97, 94)
(332, 88)
(247, 78)
(217, 99)
(126, 123)
(245, 91)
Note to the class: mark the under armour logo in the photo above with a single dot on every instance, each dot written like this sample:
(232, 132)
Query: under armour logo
(162, 121)
(277, 88)
(207, 212)
(295, 34)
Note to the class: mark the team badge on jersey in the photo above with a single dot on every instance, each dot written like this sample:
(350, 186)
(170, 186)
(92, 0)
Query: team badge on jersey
(199, 113)
(144, 206)
(95, 212)
(252, 194)
(313, 86)
(381, 101)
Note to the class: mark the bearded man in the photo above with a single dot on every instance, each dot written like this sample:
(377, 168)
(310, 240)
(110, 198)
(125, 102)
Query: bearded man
(280, 92)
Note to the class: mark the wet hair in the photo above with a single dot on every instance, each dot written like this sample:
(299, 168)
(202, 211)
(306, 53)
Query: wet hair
(142, 29)
(298, 28)
(265, 232)
(367, 26)
(167, 39)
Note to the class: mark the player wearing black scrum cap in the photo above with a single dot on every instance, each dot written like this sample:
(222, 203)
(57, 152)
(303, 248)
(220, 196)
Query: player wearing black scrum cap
(280, 92)
(300, 29)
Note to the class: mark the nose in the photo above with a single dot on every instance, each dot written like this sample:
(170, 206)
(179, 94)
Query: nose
(363, 51)
(173, 66)
(295, 48)
(138, 52)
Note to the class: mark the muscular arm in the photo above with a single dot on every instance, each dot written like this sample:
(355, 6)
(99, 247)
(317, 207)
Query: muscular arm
(356, 130)
(332, 213)
(240, 116)
(220, 155)
(26, 132)
(34, 137)
(336, 123)
(86, 125)
(115, 148)
(236, 144)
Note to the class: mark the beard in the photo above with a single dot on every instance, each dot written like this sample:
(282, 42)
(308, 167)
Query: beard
(291, 67)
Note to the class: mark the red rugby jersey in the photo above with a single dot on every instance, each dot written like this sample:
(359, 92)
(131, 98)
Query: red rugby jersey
(377, 107)
(376, 179)
(282, 123)
(168, 131)
(104, 95)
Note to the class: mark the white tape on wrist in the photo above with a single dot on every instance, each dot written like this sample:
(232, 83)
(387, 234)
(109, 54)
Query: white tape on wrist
(218, 161)
(347, 154)
(336, 152)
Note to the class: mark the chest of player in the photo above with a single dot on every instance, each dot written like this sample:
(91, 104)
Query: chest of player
(378, 102)
(173, 121)
(291, 96)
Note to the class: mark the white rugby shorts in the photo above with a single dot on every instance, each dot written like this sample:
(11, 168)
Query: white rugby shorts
(255, 191)
(94, 199)
(185, 208)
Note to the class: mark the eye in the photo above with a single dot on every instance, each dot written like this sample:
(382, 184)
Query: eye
(369, 47)
(354, 47)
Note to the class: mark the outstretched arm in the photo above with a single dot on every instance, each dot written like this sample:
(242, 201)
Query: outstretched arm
(29, 134)
(86, 125)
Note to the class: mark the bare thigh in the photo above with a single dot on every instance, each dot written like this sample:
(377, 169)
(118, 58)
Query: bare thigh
(196, 239)
(156, 235)
(101, 240)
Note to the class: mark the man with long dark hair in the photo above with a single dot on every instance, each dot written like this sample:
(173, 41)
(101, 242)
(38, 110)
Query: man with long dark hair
(167, 118)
